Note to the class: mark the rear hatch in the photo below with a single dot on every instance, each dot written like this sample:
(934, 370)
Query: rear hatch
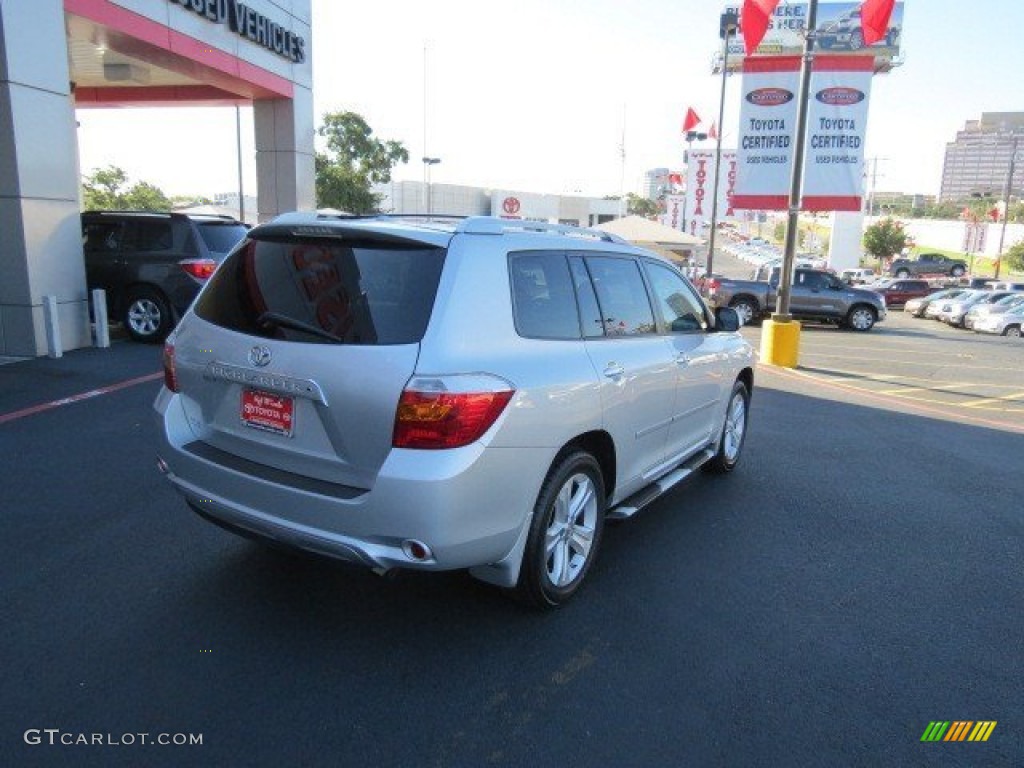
(298, 349)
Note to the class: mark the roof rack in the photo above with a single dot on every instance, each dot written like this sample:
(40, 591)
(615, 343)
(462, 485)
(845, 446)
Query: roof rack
(492, 225)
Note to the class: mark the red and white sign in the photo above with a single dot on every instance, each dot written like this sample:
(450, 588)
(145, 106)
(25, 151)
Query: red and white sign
(975, 235)
(511, 205)
(673, 216)
(263, 410)
(700, 183)
(836, 122)
(837, 118)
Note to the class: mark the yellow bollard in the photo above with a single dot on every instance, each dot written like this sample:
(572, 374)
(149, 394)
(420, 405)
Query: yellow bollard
(780, 343)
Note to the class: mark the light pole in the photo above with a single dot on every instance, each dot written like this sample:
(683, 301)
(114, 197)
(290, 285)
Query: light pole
(1006, 204)
(728, 26)
(427, 162)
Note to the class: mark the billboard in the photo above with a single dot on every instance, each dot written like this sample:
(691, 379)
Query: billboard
(838, 27)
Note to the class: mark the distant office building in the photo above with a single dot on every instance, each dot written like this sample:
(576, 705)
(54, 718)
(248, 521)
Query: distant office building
(978, 161)
(415, 197)
(655, 183)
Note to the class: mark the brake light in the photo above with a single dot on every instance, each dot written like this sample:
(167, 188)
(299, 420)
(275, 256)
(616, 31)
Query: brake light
(712, 285)
(432, 414)
(201, 269)
(170, 374)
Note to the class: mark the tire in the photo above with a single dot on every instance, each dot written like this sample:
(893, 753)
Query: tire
(147, 316)
(903, 273)
(957, 271)
(856, 40)
(565, 532)
(746, 309)
(1012, 330)
(734, 432)
(861, 318)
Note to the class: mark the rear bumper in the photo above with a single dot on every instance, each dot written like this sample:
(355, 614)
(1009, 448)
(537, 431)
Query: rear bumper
(468, 506)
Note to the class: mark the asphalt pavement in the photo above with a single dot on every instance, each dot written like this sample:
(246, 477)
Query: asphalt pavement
(858, 577)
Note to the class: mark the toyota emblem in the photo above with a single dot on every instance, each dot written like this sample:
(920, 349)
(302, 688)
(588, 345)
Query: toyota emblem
(259, 356)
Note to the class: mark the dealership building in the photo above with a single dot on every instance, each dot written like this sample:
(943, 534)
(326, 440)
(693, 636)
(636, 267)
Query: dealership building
(57, 56)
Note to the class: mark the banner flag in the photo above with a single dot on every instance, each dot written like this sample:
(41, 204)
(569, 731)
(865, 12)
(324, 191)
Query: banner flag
(837, 118)
(691, 121)
(836, 122)
(874, 19)
(754, 22)
(673, 216)
(700, 181)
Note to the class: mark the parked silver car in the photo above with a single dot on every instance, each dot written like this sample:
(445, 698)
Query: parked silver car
(953, 312)
(1006, 324)
(480, 394)
(1006, 304)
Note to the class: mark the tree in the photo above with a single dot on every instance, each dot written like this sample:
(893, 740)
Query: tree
(885, 238)
(641, 206)
(106, 189)
(354, 161)
(1013, 258)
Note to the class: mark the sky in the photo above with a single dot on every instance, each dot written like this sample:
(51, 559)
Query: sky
(537, 95)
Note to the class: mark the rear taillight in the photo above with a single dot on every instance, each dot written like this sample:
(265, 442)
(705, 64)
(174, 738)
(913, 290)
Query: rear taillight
(200, 269)
(712, 285)
(170, 374)
(449, 412)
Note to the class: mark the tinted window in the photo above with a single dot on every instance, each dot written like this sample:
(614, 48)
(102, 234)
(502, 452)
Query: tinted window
(312, 290)
(811, 280)
(543, 302)
(622, 296)
(679, 308)
(152, 236)
(220, 237)
(101, 237)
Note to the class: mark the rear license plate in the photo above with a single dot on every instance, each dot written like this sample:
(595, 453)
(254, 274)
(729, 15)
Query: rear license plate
(269, 412)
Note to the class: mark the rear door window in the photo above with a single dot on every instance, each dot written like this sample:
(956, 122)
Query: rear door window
(325, 291)
(621, 295)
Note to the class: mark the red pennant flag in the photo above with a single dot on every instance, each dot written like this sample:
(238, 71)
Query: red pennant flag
(691, 121)
(675, 178)
(754, 22)
(713, 132)
(874, 19)
(994, 214)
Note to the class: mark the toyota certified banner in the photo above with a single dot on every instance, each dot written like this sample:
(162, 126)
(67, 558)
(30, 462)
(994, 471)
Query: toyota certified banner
(700, 182)
(837, 116)
(836, 122)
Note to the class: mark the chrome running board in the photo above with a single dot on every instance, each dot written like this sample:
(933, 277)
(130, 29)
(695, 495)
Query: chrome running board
(629, 507)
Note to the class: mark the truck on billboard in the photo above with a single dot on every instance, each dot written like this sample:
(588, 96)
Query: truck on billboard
(838, 27)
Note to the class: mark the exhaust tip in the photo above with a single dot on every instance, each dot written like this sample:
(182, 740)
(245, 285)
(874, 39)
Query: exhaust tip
(416, 551)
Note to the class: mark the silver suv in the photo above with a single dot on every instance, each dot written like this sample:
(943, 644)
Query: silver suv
(421, 394)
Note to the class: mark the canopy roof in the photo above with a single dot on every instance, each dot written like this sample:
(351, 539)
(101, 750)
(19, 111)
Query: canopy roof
(639, 230)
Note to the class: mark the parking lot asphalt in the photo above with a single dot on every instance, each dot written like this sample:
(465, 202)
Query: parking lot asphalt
(858, 577)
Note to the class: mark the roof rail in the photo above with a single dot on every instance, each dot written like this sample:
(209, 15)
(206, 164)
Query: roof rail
(492, 225)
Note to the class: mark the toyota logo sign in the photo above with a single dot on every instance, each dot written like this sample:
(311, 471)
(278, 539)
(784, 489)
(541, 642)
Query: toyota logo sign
(259, 356)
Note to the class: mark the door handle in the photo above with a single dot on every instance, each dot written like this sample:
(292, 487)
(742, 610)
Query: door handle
(614, 370)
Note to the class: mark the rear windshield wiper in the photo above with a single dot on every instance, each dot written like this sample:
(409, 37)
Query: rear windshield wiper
(277, 320)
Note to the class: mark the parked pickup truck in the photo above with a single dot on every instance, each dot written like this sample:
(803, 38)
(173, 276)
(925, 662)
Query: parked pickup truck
(928, 264)
(816, 295)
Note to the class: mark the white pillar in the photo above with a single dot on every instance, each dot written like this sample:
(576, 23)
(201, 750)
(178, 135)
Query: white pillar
(844, 247)
(285, 154)
(41, 246)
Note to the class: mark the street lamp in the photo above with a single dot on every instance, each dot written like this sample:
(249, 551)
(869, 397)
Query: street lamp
(730, 23)
(1006, 204)
(427, 162)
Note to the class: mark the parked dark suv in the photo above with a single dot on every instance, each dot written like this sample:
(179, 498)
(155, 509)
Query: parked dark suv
(153, 264)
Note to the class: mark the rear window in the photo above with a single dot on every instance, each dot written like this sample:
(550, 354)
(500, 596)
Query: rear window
(221, 237)
(324, 291)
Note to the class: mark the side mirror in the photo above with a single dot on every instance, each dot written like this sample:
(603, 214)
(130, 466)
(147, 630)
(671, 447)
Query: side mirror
(727, 319)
